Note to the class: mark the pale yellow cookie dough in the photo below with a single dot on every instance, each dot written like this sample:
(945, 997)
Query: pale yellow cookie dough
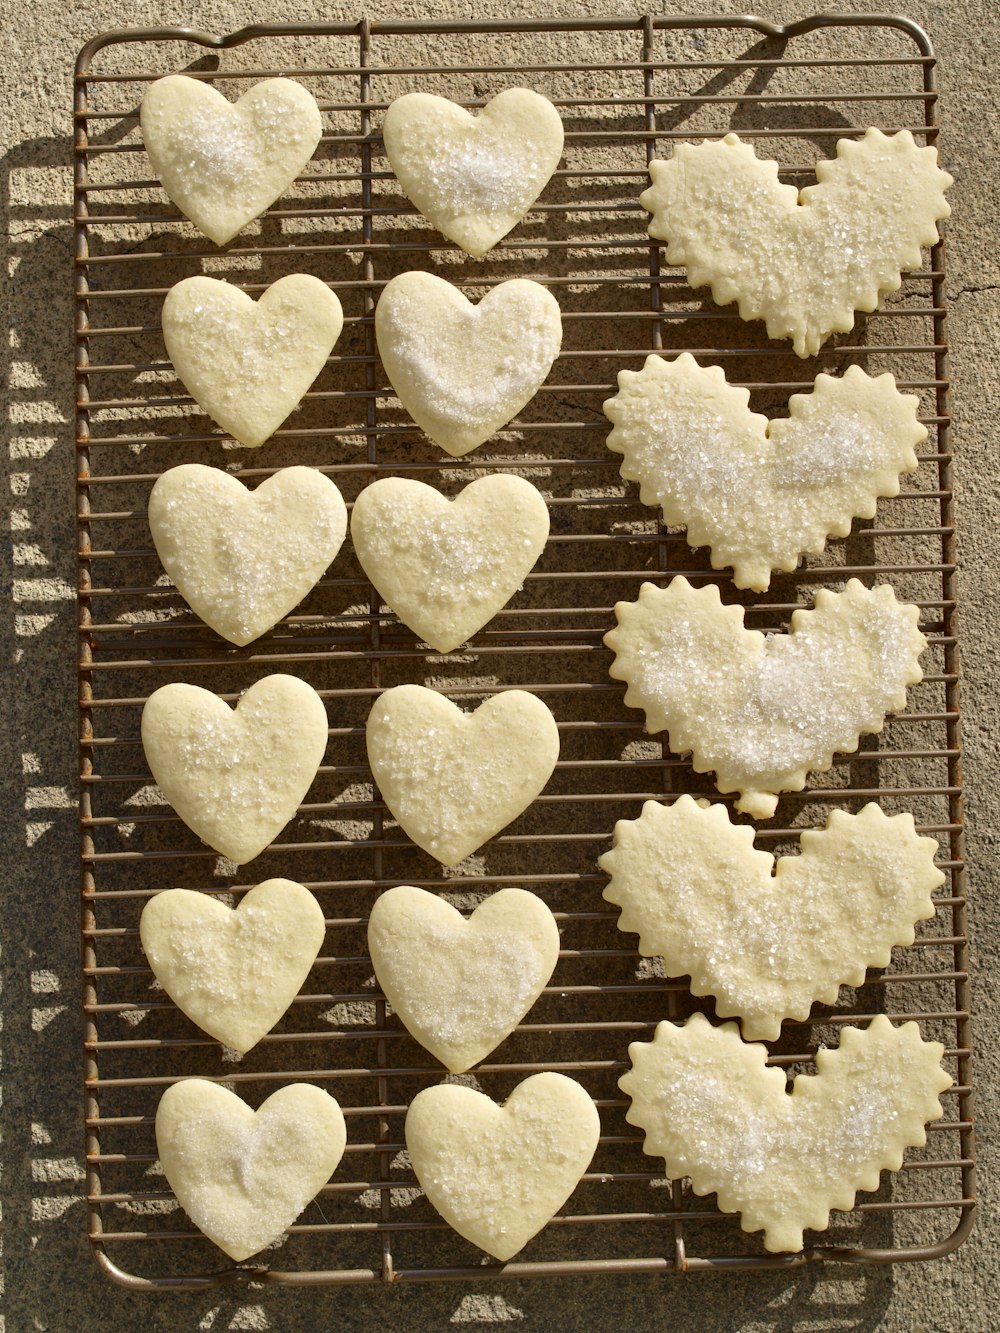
(234, 973)
(247, 364)
(222, 163)
(235, 777)
(243, 1176)
(243, 559)
(461, 986)
(463, 371)
(762, 711)
(712, 1110)
(769, 940)
(497, 1174)
(802, 261)
(454, 779)
(473, 177)
(761, 493)
(446, 567)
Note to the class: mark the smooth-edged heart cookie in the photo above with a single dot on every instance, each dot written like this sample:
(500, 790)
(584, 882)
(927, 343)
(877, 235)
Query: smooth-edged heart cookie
(803, 261)
(497, 1174)
(446, 567)
(222, 163)
(234, 973)
(248, 364)
(461, 986)
(713, 1111)
(454, 779)
(760, 710)
(243, 559)
(473, 177)
(769, 940)
(243, 1176)
(760, 493)
(463, 371)
(235, 777)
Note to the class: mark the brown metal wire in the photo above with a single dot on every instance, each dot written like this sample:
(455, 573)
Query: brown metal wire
(675, 78)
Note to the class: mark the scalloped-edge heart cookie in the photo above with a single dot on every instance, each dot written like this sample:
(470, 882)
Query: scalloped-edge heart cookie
(224, 163)
(463, 371)
(243, 559)
(761, 493)
(446, 567)
(714, 1112)
(498, 1174)
(243, 1176)
(234, 973)
(768, 940)
(454, 779)
(761, 711)
(461, 986)
(235, 777)
(473, 177)
(248, 364)
(803, 261)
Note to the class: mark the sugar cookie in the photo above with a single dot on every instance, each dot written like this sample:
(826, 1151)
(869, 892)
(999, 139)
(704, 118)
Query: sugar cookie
(222, 163)
(454, 779)
(243, 559)
(761, 493)
(243, 1176)
(760, 710)
(769, 940)
(461, 986)
(497, 1174)
(463, 371)
(473, 177)
(235, 778)
(714, 1112)
(248, 364)
(446, 567)
(234, 973)
(802, 261)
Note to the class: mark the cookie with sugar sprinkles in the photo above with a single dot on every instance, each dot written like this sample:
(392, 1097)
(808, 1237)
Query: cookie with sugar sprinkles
(761, 711)
(803, 261)
(712, 1109)
(768, 939)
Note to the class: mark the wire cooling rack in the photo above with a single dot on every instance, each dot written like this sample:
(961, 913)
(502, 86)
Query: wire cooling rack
(627, 90)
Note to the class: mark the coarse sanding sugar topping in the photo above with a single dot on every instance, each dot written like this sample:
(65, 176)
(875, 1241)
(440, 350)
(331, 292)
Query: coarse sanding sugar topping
(761, 493)
(769, 940)
(222, 163)
(714, 1112)
(761, 711)
(803, 262)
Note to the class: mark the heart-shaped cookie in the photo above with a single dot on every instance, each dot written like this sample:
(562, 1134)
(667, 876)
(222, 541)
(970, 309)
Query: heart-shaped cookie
(247, 364)
(473, 177)
(762, 710)
(243, 559)
(712, 1109)
(760, 493)
(234, 973)
(224, 164)
(461, 986)
(453, 779)
(243, 1176)
(235, 778)
(802, 261)
(462, 371)
(497, 1174)
(768, 940)
(446, 567)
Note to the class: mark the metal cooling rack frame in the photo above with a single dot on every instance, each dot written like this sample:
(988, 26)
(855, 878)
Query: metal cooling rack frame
(672, 78)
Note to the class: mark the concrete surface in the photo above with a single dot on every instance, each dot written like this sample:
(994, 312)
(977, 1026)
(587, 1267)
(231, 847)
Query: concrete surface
(50, 1280)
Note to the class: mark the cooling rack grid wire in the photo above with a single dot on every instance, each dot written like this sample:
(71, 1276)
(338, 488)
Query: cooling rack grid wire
(627, 89)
